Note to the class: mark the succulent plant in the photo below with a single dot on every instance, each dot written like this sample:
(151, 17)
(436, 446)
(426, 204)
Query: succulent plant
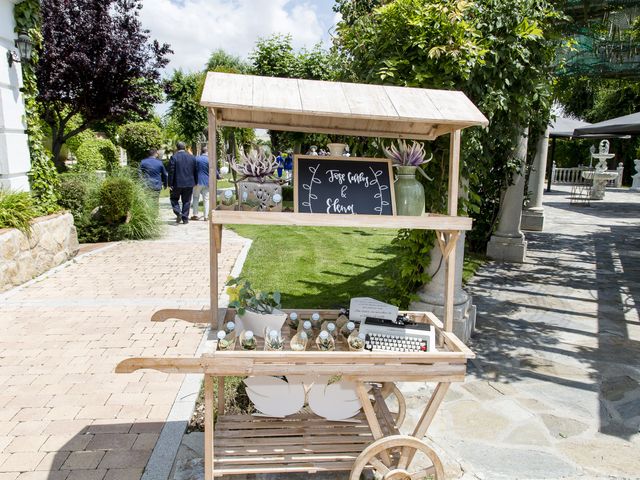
(407, 156)
(256, 164)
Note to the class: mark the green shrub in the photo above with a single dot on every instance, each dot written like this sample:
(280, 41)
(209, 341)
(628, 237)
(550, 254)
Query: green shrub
(96, 154)
(287, 193)
(74, 191)
(116, 208)
(137, 138)
(73, 144)
(17, 210)
(116, 197)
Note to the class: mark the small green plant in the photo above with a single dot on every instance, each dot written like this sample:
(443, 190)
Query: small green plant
(17, 210)
(73, 192)
(242, 297)
(96, 154)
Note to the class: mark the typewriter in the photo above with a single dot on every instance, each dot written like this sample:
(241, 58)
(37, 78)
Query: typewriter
(401, 335)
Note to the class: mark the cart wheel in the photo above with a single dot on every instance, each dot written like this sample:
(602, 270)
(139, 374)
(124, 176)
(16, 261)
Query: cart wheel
(393, 446)
(399, 409)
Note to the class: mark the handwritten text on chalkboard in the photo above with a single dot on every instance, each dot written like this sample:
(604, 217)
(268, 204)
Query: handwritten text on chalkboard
(345, 186)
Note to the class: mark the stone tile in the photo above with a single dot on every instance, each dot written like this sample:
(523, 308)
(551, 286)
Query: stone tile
(124, 474)
(22, 462)
(125, 459)
(67, 427)
(26, 443)
(43, 475)
(86, 475)
(83, 460)
(30, 427)
(145, 441)
(31, 413)
(112, 441)
(67, 443)
(99, 412)
(52, 461)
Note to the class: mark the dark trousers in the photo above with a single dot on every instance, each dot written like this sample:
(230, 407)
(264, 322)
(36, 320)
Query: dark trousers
(183, 195)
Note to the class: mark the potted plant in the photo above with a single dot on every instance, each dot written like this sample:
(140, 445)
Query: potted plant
(256, 186)
(409, 192)
(255, 309)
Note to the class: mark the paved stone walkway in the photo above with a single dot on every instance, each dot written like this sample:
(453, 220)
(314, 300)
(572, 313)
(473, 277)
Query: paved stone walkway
(555, 391)
(64, 414)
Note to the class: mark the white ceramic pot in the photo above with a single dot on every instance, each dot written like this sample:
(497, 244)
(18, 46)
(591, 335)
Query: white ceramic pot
(257, 322)
(337, 149)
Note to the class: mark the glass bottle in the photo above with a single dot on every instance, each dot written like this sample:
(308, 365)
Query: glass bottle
(325, 342)
(274, 341)
(316, 321)
(294, 321)
(347, 330)
(341, 321)
(356, 341)
(226, 198)
(307, 328)
(230, 328)
(248, 340)
(299, 342)
(331, 328)
(225, 342)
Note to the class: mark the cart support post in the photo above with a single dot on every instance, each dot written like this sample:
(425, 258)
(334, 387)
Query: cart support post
(450, 260)
(213, 200)
(425, 421)
(208, 427)
(372, 418)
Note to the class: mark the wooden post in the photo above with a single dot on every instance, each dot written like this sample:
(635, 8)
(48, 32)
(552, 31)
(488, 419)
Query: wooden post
(213, 200)
(208, 427)
(450, 260)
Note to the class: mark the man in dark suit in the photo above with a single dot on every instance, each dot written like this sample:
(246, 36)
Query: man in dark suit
(153, 173)
(183, 175)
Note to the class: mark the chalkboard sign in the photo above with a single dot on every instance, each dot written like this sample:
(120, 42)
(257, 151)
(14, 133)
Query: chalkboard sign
(343, 185)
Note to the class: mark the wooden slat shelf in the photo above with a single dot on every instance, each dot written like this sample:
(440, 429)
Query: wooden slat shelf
(299, 443)
(425, 222)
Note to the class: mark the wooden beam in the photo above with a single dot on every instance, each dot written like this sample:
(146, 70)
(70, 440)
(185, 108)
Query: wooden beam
(208, 427)
(450, 259)
(213, 200)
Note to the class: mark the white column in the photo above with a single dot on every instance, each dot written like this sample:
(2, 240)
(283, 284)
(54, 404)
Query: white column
(533, 216)
(507, 243)
(15, 161)
(432, 294)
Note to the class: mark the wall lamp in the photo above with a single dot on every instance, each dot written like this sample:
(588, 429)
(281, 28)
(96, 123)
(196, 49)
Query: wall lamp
(25, 48)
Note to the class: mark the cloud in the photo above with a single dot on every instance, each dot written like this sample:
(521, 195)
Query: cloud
(194, 28)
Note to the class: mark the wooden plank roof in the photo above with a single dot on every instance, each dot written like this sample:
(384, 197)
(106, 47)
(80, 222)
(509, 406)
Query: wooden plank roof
(336, 107)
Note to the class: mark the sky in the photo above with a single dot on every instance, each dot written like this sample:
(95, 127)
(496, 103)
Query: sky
(194, 28)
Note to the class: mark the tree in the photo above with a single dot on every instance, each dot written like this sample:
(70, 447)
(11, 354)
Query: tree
(188, 116)
(221, 61)
(97, 62)
(499, 52)
(137, 138)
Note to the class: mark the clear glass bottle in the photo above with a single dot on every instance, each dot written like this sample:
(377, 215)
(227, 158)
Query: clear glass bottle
(230, 328)
(347, 330)
(248, 340)
(299, 342)
(273, 341)
(226, 198)
(341, 321)
(316, 321)
(225, 342)
(294, 321)
(307, 328)
(331, 328)
(325, 342)
(356, 341)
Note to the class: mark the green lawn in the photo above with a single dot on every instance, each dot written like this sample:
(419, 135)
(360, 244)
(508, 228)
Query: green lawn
(318, 267)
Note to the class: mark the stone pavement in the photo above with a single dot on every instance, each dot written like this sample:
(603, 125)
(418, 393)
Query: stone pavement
(64, 414)
(555, 390)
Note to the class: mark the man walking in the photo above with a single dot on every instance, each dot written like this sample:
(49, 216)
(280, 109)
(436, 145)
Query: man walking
(183, 176)
(202, 187)
(153, 174)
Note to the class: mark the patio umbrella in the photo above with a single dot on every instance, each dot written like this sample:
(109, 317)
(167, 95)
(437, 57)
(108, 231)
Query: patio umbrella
(626, 125)
(563, 127)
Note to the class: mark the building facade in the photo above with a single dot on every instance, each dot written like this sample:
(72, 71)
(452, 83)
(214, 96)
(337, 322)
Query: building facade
(14, 149)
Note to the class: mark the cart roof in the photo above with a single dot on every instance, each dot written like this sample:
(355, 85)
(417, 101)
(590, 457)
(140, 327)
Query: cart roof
(336, 107)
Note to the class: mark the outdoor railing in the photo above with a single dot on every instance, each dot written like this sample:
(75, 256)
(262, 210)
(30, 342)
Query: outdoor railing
(573, 175)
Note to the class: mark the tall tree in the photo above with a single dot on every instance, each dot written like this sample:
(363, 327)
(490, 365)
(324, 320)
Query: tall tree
(221, 61)
(189, 117)
(97, 61)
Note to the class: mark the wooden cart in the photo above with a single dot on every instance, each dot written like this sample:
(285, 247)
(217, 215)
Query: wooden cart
(304, 442)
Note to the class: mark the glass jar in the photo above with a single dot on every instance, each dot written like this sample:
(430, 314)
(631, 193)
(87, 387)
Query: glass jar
(248, 340)
(294, 321)
(273, 341)
(307, 328)
(225, 342)
(347, 330)
(356, 341)
(299, 342)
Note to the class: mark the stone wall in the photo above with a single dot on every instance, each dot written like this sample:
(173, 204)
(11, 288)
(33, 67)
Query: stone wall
(53, 241)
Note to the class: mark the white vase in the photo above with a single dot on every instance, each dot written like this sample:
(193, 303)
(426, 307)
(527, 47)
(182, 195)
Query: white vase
(337, 149)
(257, 322)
